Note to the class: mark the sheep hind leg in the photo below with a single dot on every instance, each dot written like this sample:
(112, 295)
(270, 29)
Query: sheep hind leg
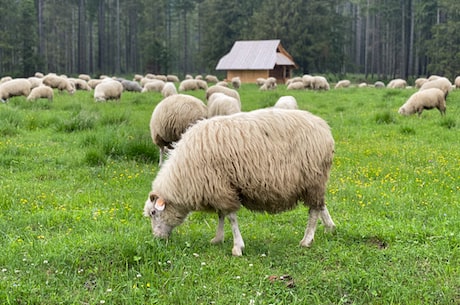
(327, 220)
(238, 243)
(309, 235)
(219, 238)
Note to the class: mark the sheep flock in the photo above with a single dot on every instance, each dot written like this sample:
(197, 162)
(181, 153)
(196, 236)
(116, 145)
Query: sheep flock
(216, 157)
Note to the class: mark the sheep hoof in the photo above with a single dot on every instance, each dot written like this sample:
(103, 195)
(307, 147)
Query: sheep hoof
(217, 240)
(237, 251)
(306, 243)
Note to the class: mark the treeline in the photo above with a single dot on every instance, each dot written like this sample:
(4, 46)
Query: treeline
(377, 38)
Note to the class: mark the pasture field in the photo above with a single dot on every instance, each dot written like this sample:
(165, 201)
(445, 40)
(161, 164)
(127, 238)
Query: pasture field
(74, 176)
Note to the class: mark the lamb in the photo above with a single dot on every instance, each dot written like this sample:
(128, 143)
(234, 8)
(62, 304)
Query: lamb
(108, 90)
(345, 83)
(171, 117)
(222, 104)
(441, 83)
(41, 92)
(425, 99)
(14, 87)
(130, 85)
(168, 89)
(236, 82)
(225, 162)
(286, 102)
(58, 82)
(228, 91)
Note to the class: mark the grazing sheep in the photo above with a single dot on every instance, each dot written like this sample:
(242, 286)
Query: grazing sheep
(130, 85)
(425, 99)
(92, 83)
(236, 82)
(153, 85)
(14, 87)
(41, 92)
(308, 81)
(293, 80)
(39, 75)
(286, 102)
(419, 82)
(441, 83)
(80, 84)
(228, 91)
(296, 86)
(320, 83)
(34, 82)
(5, 79)
(188, 84)
(211, 78)
(222, 104)
(172, 78)
(58, 82)
(260, 81)
(222, 83)
(379, 84)
(84, 77)
(172, 116)
(362, 85)
(397, 83)
(270, 84)
(137, 77)
(168, 89)
(108, 90)
(345, 83)
(226, 162)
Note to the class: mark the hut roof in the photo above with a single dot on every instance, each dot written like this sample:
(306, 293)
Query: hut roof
(255, 55)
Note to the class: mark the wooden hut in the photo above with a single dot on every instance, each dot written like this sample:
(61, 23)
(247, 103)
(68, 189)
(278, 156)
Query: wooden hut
(252, 59)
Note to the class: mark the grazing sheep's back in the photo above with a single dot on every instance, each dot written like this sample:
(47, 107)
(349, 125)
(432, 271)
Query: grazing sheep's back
(440, 82)
(217, 88)
(265, 160)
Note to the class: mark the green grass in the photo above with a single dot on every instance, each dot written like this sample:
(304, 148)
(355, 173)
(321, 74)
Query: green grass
(74, 176)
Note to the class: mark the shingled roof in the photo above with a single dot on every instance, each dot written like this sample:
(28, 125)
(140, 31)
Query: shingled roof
(255, 55)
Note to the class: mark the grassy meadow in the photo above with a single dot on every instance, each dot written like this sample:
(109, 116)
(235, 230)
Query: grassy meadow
(74, 176)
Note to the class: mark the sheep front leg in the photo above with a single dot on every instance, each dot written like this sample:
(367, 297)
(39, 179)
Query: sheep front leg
(220, 230)
(311, 227)
(238, 243)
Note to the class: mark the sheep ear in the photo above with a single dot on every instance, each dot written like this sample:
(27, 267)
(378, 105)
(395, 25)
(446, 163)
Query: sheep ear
(160, 204)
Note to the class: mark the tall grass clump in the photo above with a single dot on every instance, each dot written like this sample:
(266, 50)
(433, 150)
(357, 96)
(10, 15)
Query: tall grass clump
(77, 122)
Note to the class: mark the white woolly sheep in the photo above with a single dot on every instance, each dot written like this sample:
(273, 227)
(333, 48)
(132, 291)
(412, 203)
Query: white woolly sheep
(425, 99)
(80, 84)
(171, 117)
(172, 78)
(168, 89)
(5, 79)
(308, 81)
(296, 86)
(270, 84)
(35, 82)
(293, 80)
(344, 83)
(222, 83)
(362, 85)
(41, 92)
(419, 82)
(39, 75)
(236, 82)
(92, 83)
(379, 84)
(457, 82)
(320, 83)
(226, 162)
(397, 83)
(58, 82)
(137, 77)
(441, 83)
(108, 90)
(222, 104)
(188, 84)
(228, 91)
(84, 77)
(260, 81)
(286, 102)
(130, 85)
(211, 78)
(14, 87)
(153, 85)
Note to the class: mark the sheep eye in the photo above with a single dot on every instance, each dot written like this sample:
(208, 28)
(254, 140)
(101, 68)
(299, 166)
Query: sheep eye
(153, 212)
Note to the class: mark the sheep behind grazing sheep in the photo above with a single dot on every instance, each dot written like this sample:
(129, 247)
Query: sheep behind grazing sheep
(222, 104)
(286, 102)
(424, 99)
(108, 90)
(168, 89)
(225, 162)
(171, 117)
(41, 91)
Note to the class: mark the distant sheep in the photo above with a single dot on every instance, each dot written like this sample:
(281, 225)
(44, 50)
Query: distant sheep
(425, 99)
(168, 89)
(84, 77)
(397, 83)
(296, 86)
(226, 162)
(286, 102)
(41, 92)
(211, 78)
(236, 82)
(59, 82)
(228, 91)
(308, 81)
(345, 83)
(260, 81)
(188, 84)
(153, 85)
(270, 84)
(171, 117)
(130, 85)
(5, 79)
(92, 83)
(172, 78)
(441, 83)
(362, 85)
(222, 83)
(14, 87)
(222, 104)
(320, 83)
(457, 82)
(379, 84)
(34, 82)
(419, 82)
(80, 84)
(108, 90)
